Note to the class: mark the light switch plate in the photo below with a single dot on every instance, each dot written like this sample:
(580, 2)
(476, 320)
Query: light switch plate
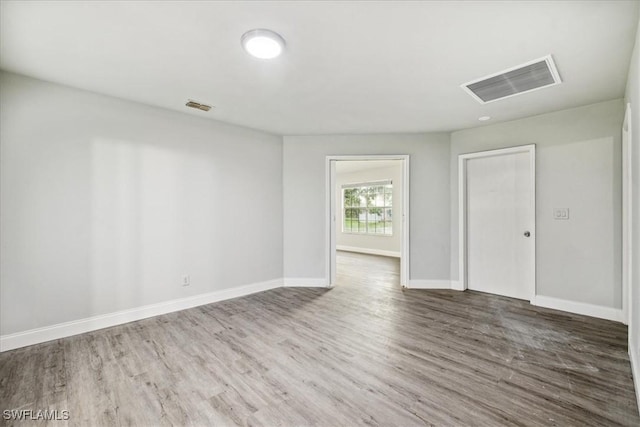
(561, 213)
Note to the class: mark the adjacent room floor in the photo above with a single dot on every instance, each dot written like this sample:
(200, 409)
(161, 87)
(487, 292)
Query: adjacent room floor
(364, 352)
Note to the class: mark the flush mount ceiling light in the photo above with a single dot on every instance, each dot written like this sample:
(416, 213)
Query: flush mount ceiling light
(263, 44)
(484, 118)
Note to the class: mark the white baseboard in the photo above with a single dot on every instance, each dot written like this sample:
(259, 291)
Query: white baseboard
(635, 369)
(369, 251)
(457, 285)
(305, 282)
(75, 327)
(592, 310)
(429, 284)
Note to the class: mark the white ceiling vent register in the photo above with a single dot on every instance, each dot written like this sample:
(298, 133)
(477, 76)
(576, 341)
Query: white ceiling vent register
(533, 75)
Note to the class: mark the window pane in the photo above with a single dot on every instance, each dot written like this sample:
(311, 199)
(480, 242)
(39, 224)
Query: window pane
(351, 217)
(380, 223)
(379, 199)
(350, 197)
(372, 225)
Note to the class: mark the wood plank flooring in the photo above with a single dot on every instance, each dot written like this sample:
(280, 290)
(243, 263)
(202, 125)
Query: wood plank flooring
(362, 353)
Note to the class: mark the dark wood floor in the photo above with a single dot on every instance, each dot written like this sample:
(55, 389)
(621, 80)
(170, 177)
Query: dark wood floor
(364, 352)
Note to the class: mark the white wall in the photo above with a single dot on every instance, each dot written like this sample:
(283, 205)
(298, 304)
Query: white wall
(632, 96)
(578, 166)
(304, 199)
(387, 244)
(106, 203)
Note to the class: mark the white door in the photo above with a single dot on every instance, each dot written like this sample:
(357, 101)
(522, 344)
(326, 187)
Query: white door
(500, 224)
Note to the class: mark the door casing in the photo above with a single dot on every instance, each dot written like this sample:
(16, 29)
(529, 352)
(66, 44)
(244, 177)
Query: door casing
(627, 223)
(330, 201)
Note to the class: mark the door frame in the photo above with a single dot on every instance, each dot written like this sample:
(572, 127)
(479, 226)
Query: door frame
(462, 207)
(627, 215)
(331, 209)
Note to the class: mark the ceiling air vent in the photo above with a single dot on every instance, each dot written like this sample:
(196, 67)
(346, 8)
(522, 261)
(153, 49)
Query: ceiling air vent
(523, 78)
(199, 106)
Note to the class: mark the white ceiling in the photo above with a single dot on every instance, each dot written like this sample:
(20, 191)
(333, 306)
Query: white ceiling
(349, 67)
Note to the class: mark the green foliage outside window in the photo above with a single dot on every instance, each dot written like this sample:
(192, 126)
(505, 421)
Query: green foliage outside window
(368, 209)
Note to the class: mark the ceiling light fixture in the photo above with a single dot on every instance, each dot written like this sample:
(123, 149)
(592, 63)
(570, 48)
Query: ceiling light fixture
(484, 118)
(263, 44)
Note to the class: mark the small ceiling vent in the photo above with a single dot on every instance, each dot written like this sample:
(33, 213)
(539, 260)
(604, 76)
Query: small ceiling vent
(197, 105)
(521, 79)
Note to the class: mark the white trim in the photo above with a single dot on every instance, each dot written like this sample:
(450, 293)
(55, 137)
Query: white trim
(305, 282)
(462, 220)
(462, 207)
(552, 69)
(405, 255)
(359, 184)
(457, 285)
(93, 323)
(627, 223)
(330, 217)
(635, 369)
(585, 309)
(429, 284)
(330, 223)
(394, 254)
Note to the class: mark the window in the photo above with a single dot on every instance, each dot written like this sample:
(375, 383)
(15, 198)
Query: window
(367, 208)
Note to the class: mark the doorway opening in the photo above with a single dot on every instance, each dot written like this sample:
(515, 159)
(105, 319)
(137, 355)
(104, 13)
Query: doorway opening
(367, 214)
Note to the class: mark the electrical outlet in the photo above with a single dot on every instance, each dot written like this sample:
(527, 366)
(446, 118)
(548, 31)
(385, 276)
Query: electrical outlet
(186, 280)
(561, 213)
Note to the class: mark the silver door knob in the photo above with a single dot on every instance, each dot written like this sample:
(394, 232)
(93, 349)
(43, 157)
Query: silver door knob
(527, 234)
